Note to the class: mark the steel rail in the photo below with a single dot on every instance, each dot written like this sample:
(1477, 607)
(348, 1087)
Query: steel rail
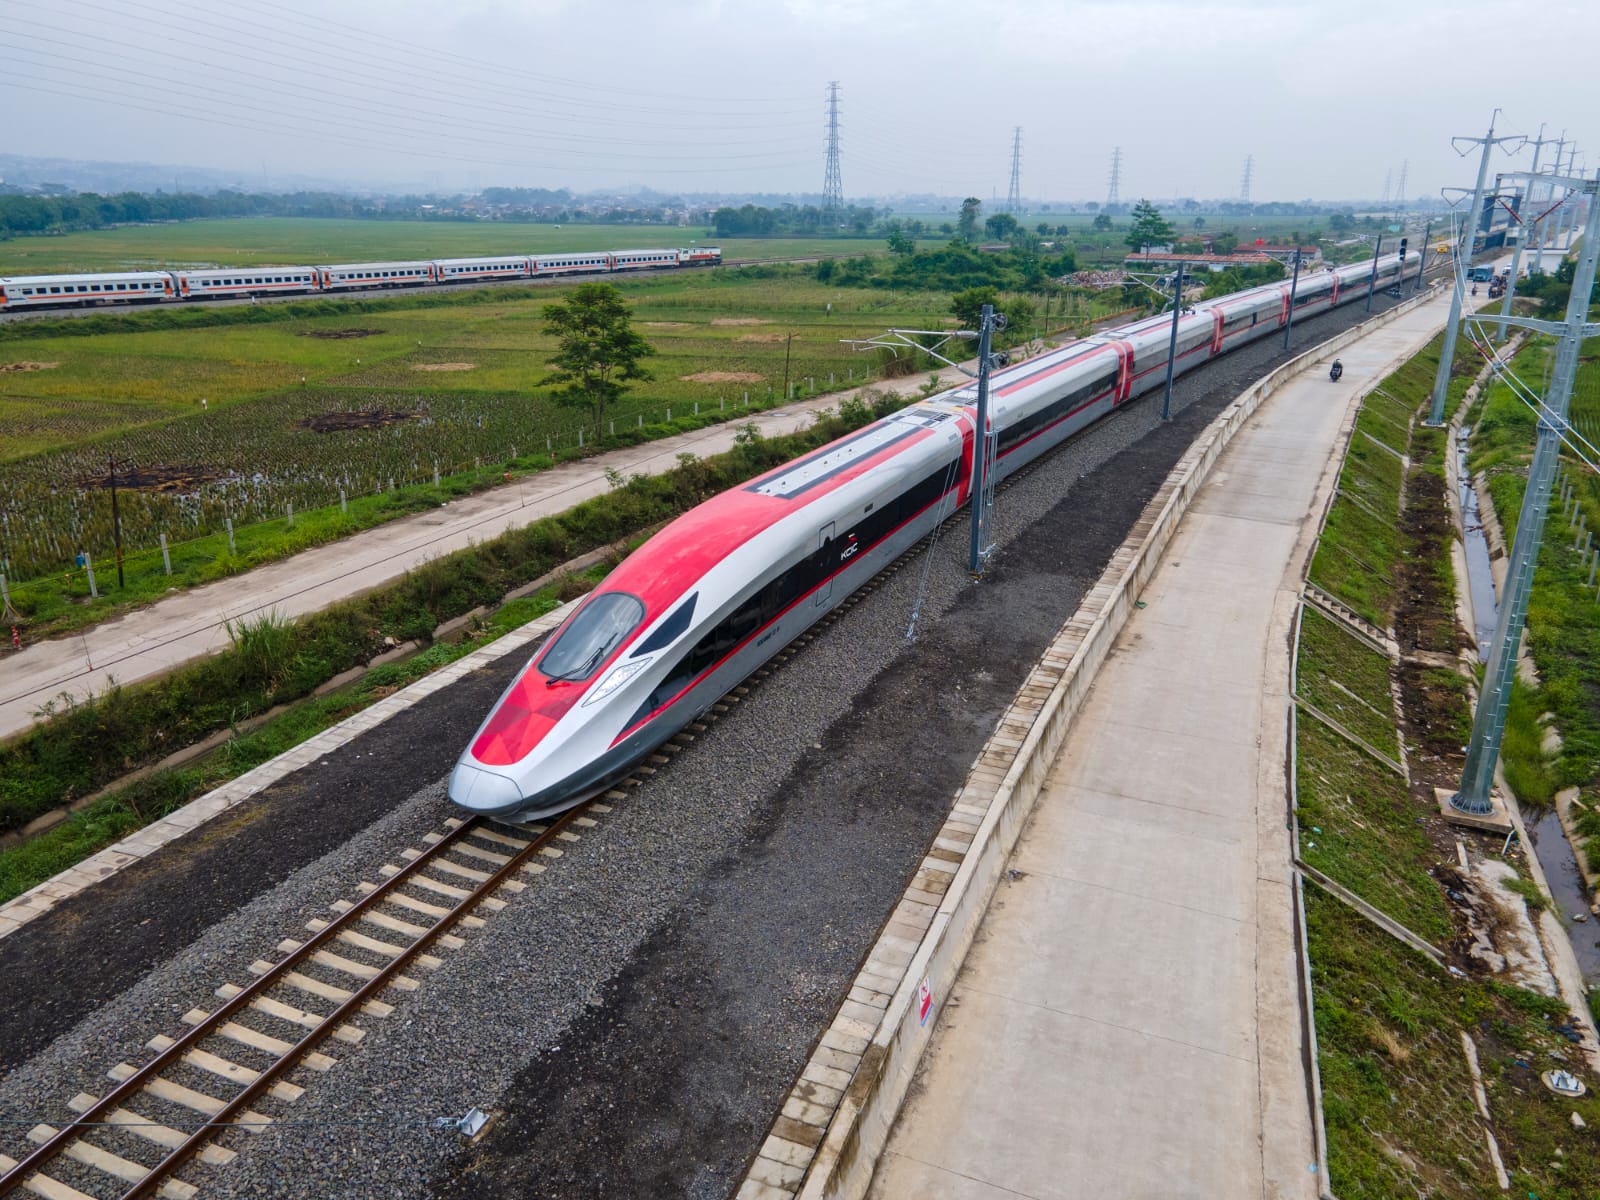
(52, 1148)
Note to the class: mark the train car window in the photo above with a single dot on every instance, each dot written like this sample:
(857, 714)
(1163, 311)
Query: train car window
(669, 630)
(596, 631)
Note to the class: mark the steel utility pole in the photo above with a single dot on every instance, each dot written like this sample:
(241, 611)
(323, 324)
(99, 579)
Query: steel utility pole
(1372, 279)
(982, 491)
(116, 516)
(1293, 284)
(1529, 218)
(1469, 235)
(1489, 721)
(1422, 258)
(1172, 342)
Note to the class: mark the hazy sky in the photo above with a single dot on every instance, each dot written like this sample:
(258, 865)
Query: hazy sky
(728, 95)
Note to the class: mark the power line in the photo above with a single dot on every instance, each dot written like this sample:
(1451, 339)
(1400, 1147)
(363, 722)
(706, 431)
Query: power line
(1014, 196)
(832, 181)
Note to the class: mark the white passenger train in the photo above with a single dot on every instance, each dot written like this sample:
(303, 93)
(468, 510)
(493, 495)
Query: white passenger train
(222, 283)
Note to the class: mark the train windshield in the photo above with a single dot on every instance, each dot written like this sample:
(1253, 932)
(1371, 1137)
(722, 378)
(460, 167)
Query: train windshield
(595, 632)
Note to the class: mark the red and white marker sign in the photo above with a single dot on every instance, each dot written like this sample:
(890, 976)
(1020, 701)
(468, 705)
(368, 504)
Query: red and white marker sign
(924, 1000)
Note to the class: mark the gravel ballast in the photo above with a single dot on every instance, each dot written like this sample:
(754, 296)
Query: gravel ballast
(635, 1017)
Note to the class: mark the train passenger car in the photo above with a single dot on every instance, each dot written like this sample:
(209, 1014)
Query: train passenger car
(572, 264)
(44, 291)
(350, 276)
(643, 260)
(455, 270)
(245, 281)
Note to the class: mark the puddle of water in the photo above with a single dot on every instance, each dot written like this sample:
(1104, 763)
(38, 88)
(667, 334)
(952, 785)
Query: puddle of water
(1480, 576)
(1566, 888)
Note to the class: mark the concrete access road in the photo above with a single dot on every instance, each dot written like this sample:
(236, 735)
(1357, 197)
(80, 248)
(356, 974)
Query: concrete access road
(1128, 1022)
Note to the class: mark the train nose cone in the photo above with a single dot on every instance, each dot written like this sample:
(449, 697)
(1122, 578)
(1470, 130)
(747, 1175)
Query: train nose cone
(483, 791)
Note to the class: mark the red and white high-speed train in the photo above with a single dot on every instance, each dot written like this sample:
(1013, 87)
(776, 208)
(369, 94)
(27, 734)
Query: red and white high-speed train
(724, 587)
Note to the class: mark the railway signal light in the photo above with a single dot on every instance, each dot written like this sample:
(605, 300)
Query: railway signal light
(1402, 249)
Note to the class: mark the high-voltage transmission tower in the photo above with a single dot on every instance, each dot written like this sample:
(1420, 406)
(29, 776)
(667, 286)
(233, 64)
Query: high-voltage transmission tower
(1116, 178)
(1014, 196)
(832, 181)
(1388, 183)
(1400, 190)
(1244, 183)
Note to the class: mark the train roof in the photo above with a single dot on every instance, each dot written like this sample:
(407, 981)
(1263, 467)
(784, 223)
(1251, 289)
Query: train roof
(95, 276)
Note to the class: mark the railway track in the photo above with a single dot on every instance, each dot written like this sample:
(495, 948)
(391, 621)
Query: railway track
(319, 989)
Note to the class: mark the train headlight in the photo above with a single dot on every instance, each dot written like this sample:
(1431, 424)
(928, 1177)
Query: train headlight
(616, 679)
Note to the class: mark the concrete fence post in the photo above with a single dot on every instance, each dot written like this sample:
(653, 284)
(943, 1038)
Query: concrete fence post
(166, 558)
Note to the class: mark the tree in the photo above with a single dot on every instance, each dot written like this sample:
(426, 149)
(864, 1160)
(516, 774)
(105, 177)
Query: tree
(967, 223)
(597, 348)
(1001, 226)
(1150, 228)
(1042, 228)
(1102, 222)
(968, 305)
(900, 242)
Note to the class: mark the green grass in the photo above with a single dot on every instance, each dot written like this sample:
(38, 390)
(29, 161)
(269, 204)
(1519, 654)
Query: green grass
(1359, 827)
(1397, 1095)
(1357, 557)
(1346, 680)
(1563, 612)
(279, 241)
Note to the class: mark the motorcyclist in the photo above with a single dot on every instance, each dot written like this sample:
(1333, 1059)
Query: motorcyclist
(1336, 370)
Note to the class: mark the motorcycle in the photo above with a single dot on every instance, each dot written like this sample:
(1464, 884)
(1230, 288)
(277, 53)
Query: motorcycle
(1336, 370)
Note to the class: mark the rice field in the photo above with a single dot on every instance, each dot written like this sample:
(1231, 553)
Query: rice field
(240, 422)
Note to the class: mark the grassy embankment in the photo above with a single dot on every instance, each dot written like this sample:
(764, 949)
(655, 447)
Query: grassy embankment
(459, 374)
(1400, 1113)
(89, 746)
(1564, 613)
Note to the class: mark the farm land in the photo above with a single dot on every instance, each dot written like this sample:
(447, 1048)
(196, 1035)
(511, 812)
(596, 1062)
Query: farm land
(240, 414)
(276, 241)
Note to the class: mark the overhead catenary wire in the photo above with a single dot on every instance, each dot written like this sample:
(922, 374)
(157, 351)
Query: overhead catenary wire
(365, 128)
(249, 44)
(388, 111)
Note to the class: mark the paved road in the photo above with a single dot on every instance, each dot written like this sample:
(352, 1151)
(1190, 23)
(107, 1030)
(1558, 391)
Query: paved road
(1127, 1023)
(187, 625)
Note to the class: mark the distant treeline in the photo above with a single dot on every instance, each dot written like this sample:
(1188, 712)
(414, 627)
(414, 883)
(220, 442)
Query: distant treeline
(751, 220)
(953, 268)
(60, 214)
